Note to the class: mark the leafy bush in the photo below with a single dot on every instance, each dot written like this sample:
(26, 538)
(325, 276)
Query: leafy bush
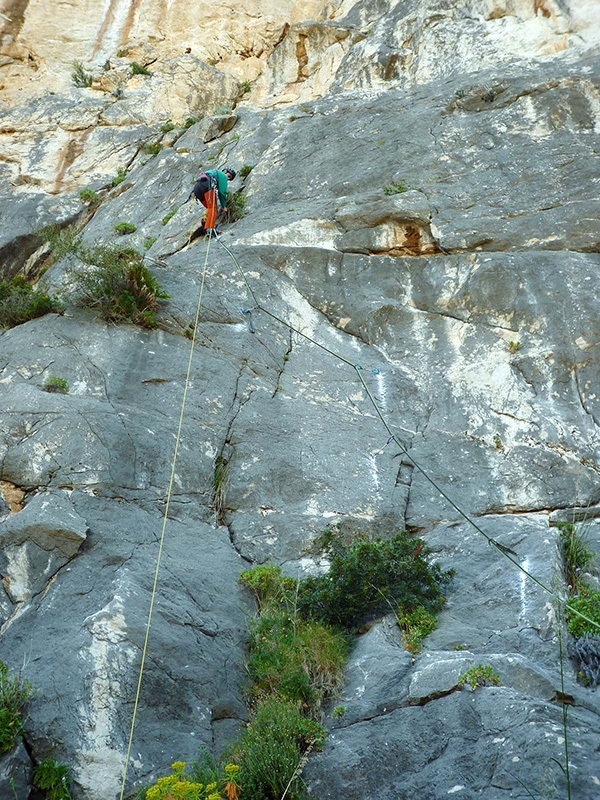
(396, 188)
(138, 69)
(371, 578)
(479, 675)
(121, 175)
(189, 122)
(246, 87)
(168, 217)
(272, 750)
(125, 227)
(56, 385)
(19, 303)
(88, 196)
(586, 601)
(167, 127)
(53, 778)
(15, 693)
(116, 282)
(79, 77)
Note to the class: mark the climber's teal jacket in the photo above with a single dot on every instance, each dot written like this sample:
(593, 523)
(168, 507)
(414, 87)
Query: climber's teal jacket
(222, 184)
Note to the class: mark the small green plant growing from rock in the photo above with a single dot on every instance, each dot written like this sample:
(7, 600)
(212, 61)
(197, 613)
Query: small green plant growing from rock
(246, 170)
(124, 228)
(236, 204)
(56, 385)
(577, 557)
(220, 479)
(149, 241)
(79, 77)
(246, 87)
(15, 693)
(120, 177)
(586, 600)
(138, 69)
(168, 217)
(189, 122)
(53, 779)
(20, 302)
(398, 187)
(88, 196)
(498, 442)
(514, 347)
(152, 149)
(167, 127)
(479, 675)
(338, 712)
(415, 626)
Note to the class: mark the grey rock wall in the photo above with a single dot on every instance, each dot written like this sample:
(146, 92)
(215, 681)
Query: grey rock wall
(428, 292)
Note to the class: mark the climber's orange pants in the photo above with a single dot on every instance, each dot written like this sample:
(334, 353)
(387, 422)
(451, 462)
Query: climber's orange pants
(209, 201)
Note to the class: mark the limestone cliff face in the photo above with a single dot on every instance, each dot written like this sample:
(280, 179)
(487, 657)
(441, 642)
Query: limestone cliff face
(422, 201)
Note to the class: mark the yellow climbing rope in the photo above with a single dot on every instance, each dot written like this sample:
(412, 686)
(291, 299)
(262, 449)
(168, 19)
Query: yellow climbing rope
(164, 526)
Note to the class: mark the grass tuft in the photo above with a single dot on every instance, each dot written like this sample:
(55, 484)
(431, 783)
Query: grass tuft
(15, 693)
(79, 77)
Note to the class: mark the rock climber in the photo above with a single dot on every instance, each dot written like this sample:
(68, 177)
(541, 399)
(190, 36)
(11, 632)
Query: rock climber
(208, 186)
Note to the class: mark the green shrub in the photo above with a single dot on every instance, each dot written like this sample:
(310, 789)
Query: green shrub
(56, 385)
(371, 578)
(291, 658)
(15, 693)
(294, 659)
(167, 127)
(272, 750)
(88, 196)
(125, 227)
(396, 188)
(121, 175)
(138, 69)
(236, 203)
(338, 712)
(53, 778)
(586, 601)
(479, 675)
(115, 281)
(79, 77)
(19, 303)
(189, 122)
(152, 149)
(246, 87)
(166, 219)
(149, 241)
(246, 170)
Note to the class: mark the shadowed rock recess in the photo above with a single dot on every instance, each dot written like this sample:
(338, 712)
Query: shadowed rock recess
(424, 202)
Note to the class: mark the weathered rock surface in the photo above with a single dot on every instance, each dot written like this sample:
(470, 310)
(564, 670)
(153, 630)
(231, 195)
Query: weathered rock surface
(466, 304)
